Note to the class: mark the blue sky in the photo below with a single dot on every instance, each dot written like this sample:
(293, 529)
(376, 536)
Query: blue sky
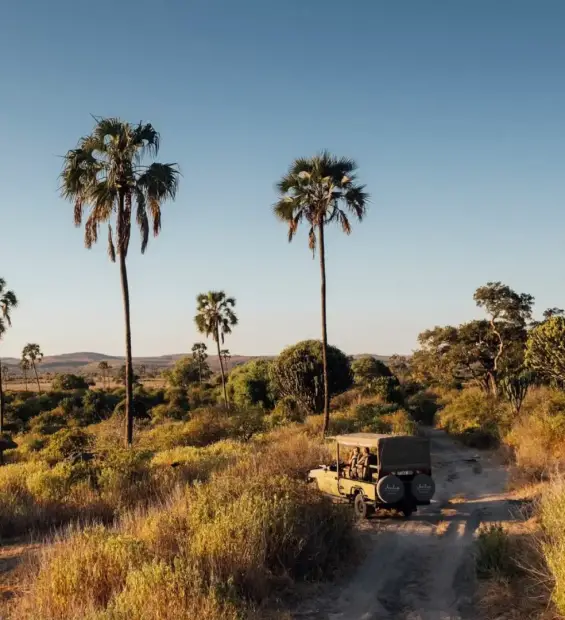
(454, 111)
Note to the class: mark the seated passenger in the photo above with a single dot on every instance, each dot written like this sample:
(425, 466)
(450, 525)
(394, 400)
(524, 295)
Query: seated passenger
(353, 462)
(363, 470)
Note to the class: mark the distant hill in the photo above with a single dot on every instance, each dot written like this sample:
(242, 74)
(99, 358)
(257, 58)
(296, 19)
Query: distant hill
(87, 362)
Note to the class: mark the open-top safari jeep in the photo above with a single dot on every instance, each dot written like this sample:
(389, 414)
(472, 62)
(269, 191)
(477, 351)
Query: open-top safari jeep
(395, 473)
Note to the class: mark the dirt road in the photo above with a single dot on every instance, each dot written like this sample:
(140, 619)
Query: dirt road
(421, 568)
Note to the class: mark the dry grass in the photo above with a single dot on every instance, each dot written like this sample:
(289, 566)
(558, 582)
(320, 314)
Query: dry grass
(212, 550)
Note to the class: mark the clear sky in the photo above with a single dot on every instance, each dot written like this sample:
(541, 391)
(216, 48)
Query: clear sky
(454, 111)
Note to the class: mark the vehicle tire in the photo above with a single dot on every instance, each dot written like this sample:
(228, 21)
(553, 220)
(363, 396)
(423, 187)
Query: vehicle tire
(390, 489)
(423, 488)
(407, 510)
(361, 508)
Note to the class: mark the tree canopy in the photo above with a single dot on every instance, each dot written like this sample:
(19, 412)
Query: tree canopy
(298, 372)
(250, 385)
(545, 349)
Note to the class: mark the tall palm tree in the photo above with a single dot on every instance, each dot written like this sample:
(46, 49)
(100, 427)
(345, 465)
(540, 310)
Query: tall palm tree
(33, 354)
(320, 191)
(106, 175)
(25, 367)
(8, 301)
(215, 317)
(104, 367)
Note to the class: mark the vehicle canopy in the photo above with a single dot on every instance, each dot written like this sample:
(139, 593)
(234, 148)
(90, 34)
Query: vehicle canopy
(393, 451)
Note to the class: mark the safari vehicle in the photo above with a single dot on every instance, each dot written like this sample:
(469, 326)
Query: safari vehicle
(396, 473)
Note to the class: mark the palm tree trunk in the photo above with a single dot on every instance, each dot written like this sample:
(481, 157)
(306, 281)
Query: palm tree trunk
(222, 368)
(25, 379)
(36, 376)
(324, 330)
(129, 361)
(1, 400)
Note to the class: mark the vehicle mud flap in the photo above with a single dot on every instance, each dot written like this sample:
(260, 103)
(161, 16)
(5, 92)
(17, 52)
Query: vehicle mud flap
(390, 489)
(423, 488)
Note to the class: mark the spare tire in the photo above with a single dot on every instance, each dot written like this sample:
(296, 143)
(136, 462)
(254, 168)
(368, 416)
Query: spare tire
(390, 489)
(423, 488)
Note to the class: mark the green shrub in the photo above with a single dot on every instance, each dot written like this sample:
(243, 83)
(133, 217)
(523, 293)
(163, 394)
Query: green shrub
(68, 443)
(286, 411)
(69, 382)
(476, 417)
(48, 422)
(423, 406)
(493, 553)
(250, 385)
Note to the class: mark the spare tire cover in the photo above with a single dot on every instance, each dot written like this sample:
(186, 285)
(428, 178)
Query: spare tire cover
(423, 488)
(390, 489)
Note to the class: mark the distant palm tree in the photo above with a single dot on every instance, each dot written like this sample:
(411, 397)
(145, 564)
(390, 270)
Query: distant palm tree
(32, 353)
(25, 367)
(215, 317)
(8, 301)
(104, 367)
(105, 173)
(321, 190)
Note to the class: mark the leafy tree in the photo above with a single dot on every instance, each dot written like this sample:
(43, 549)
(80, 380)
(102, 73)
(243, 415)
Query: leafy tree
(184, 373)
(32, 353)
(226, 357)
(105, 173)
(547, 314)
(200, 356)
(367, 368)
(122, 378)
(399, 365)
(25, 367)
(215, 317)
(454, 355)
(104, 368)
(250, 385)
(321, 190)
(8, 301)
(545, 349)
(509, 313)
(298, 372)
(69, 382)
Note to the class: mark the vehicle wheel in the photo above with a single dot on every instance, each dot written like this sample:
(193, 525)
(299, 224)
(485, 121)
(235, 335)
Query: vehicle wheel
(360, 506)
(407, 511)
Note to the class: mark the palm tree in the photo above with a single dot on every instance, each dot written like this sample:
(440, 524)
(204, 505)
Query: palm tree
(32, 353)
(25, 367)
(215, 317)
(105, 174)
(321, 190)
(104, 367)
(8, 301)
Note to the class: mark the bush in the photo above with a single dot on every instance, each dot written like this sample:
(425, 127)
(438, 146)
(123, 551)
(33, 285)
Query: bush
(214, 550)
(367, 368)
(297, 372)
(476, 417)
(69, 382)
(250, 385)
(493, 553)
(68, 443)
(286, 411)
(552, 514)
(49, 422)
(423, 406)
(538, 435)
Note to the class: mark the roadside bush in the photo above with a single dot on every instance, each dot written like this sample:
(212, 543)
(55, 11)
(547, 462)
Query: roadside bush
(423, 406)
(552, 515)
(493, 553)
(476, 418)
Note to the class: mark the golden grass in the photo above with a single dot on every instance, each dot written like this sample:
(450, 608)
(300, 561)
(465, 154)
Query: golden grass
(212, 550)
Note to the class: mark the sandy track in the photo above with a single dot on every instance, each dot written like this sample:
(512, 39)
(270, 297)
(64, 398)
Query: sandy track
(421, 568)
